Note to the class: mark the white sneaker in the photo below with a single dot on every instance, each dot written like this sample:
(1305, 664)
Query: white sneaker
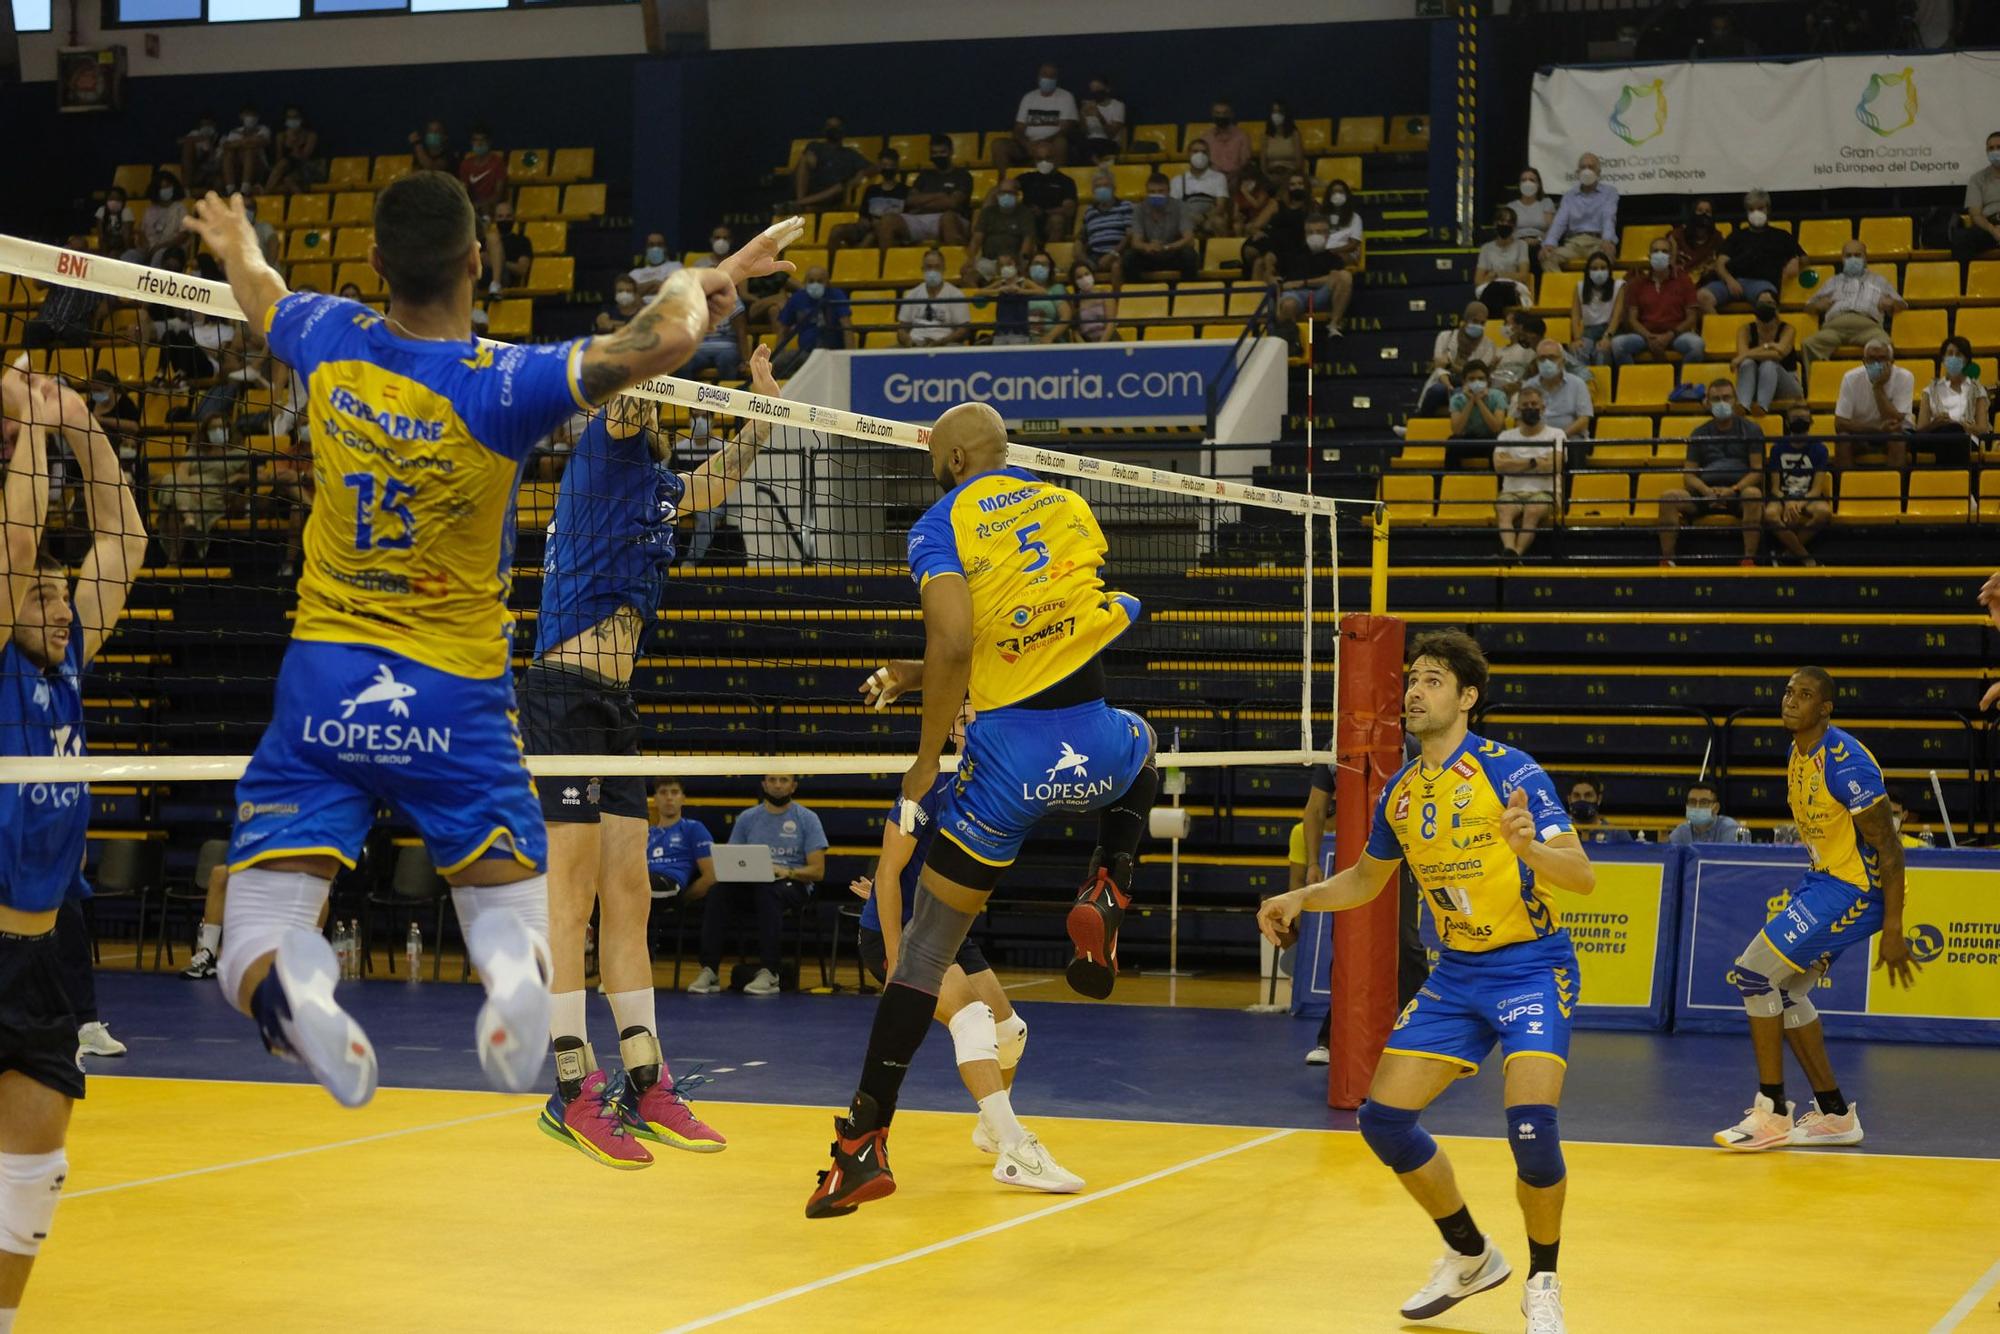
(512, 1035)
(764, 984)
(1542, 1303)
(1454, 1278)
(1318, 1056)
(1762, 1127)
(704, 984)
(1815, 1130)
(95, 1039)
(321, 1035)
(1029, 1164)
(983, 1139)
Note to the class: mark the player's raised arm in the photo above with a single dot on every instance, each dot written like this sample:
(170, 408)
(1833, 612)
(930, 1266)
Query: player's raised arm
(226, 231)
(712, 484)
(659, 338)
(118, 541)
(1561, 861)
(1351, 888)
(24, 498)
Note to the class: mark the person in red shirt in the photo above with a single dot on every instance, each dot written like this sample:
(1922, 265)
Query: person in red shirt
(483, 169)
(1661, 312)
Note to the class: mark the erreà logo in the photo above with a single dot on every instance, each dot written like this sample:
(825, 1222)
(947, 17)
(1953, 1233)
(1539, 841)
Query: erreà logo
(1641, 113)
(1878, 108)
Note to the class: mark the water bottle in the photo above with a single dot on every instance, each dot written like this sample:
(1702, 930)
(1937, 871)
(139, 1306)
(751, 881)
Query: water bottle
(413, 952)
(343, 948)
(354, 934)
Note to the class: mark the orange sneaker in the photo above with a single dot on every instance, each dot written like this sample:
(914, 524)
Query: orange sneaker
(1762, 1127)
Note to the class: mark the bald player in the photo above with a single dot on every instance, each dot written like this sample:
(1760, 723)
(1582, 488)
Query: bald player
(1015, 616)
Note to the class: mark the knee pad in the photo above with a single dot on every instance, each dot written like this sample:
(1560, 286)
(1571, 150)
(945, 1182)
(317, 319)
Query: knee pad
(1394, 1135)
(262, 906)
(1755, 968)
(1537, 1145)
(30, 1185)
(972, 1034)
(930, 942)
(1799, 1010)
(1012, 1033)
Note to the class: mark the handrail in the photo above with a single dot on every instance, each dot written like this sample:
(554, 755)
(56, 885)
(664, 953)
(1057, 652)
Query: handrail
(1981, 810)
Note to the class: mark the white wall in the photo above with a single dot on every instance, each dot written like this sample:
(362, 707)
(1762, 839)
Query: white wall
(759, 23)
(512, 34)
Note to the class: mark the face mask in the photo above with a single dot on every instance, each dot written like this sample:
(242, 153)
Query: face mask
(1046, 85)
(1757, 217)
(101, 397)
(433, 142)
(1531, 416)
(218, 435)
(785, 800)
(1503, 230)
(480, 146)
(1529, 189)
(1222, 120)
(1338, 198)
(1954, 364)
(1661, 260)
(1156, 201)
(1039, 272)
(1045, 166)
(1588, 176)
(293, 122)
(1085, 281)
(626, 300)
(815, 290)
(1473, 330)
(1701, 817)
(1277, 118)
(833, 133)
(656, 254)
(1854, 266)
(1599, 275)
(1877, 369)
(1703, 221)
(1004, 201)
(1767, 313)
(1549, 367)
(1476, 388)
(1316, 241)
(1993, 156)
(1103, 194)
(1585, 811)
(890, 175)
(720, 245)
(1723, 409)
(933, 278)
(249, 122)
(1009, 271)
(1296, 194)
(1198, 161)
(165, 194)
(941, 159)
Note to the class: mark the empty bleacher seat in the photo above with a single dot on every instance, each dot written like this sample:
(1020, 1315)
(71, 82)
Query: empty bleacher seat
(1316, 135)
(363, 277)
(573, 164)
(1823, 382)
(1644, 386)
(1223, 255)
(1359, 134)
(1919, 331)
(551, 275)
(308, 243)
(1198, 306)
(1622, 427)
(1982, 280)
(391, 167)
(1558, 290)
(1886, 238)
(903, 265)
(1163, 332)
(829, 219)
(1718, 333)
(306, 210)
(1165, 141)
(538, 201)
(1868, 496)
(1931, 282)
(855, 266)
(512, 319)
(1822, 238)
(353, 242)
(1409, 498)
(316, 274)
(528, 164)
(1939, 496)
(133, 178)
(1980, 325)
(1635, 240)
(1343, 168)
(582, 202)
(549, 237)
(353, 208)
(1599, 498)
(1467, 498)
(1409, 134)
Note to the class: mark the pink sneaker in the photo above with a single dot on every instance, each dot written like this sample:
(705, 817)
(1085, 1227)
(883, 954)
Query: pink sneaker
(660, 1114)
(1762, 1127)
(591, 1125)
(1816, 1130)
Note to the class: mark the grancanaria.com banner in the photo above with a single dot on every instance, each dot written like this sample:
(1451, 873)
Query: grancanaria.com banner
(1728, 126)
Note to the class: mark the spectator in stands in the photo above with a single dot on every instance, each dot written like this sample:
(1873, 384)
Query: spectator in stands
(67, 317)
(1162, 236)
(1106, 225)
(1346, 237)
(1696, 243)
(1453, 354)
(1853, 307)
(1203, 192)
(887, 195)
(1756, 259)
(1047, 111)
(1284, 150)
(1661, 312)
(1047, 320)
(292, 155)
(510, 255)
(197, 492)
(828, 171)
(1103, 122)
(1009, 293)
(1586, 223)
(1050, 193)
(1955, 409)
(1092, 312)
(1705, 822)
(1006, 226)
(1767, 360)
(1478, 414)
(430, 148)
(1900, 816)
(1251, 206)
(164, 222)
(1724, 475)
(1876, 399)
(289, 484)
(1566, 401)
(680, 852)
(1228, 146)
(201, 155)
(1722, 41)
(1528, 458)
(114, 227)
(1979, 232)
(352, 291)
(725, 349)
(1284, 230)
(624, 305)
(816, 316)
(1516, 362)
(1586, 813)
(934, 312)
(798, 850)
(115, 408)
(1313, 278)
(483, 169)
(1534, 213)
(936, 210)
(1596, 311)
(1501, 275)
(1799, 483)
(659, 266)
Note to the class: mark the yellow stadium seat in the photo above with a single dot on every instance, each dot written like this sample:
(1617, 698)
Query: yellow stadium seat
(1980, 325)
(1141, 307)
(868, 145)
(1679, 425)
(1359, 134)
(1597, 498)
(551, 275)
(1621, 428)
(1600, 384)
(534, 506)
(306, 211)
(798, 148)
(391, 167)
(1164, 332)
(528, 164)
(580, 202)
(73, 363)
(1246, 299)
(879, 338)
(1558, 292)
(1409, 498)
(1081, 178)
(1886, 238)
(133, 178)
(830, 220)
(912, 150)
(1823, 383)
(512, 319)
(1868, 496)
(1989, 494)
(1647, 488)
(988, 139)
(354, 208)
(308, 243)
(1062, 254)
(1231, 331)
(808, 256)
(1718, 333)
(353, 242)
(1931, 283)
(1420, 429)
(1166, 141)
(548, 238)
(573, 164)
(1922, 368)
(964, 147)
(1423, 458)
(1644, 386)
(1939, 497)
(983, 181)
(1316, 135)
(535, 202)
(855, 266)
(347, 173)
(133, 365)
(1129, 179)
(1329, 169)
(1822, 238)
(1467, 498)
(1919, 331)
(1199, 306)
(363, 277)
(903, 265)
(1621, 456)
(1636, 240)
(1558, 329)
(1982, 280)
(317, 275)
(1409, 134)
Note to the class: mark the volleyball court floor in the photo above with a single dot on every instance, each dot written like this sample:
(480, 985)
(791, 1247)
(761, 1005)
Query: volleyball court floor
(213, 1189)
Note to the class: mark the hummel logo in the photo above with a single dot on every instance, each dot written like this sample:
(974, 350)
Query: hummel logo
(1068, 760)
(386, 688)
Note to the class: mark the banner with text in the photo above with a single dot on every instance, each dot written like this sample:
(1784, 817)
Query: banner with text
(1729, 126)
(1077, 384)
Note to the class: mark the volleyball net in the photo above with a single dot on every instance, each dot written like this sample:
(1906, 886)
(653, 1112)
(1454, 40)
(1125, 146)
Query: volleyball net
(776, 606)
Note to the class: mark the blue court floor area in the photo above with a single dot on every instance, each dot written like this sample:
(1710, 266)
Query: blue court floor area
(1127, 1062)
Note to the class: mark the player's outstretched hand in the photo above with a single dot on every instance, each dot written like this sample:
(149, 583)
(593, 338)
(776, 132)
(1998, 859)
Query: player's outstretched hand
(1989, 597)
(1990, 698)
(1893, 953)
(1277, 917)
(223, 227)
(1517, 826)
(761, 379)
(759, 256)
(890, 683)
(861, 887)
(719, 291)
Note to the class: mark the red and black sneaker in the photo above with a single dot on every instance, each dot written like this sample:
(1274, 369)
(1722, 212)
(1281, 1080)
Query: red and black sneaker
(860, 1171)
(1093, 927)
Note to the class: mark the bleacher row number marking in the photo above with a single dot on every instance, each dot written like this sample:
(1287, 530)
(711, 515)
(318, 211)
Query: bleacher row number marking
(136, 282)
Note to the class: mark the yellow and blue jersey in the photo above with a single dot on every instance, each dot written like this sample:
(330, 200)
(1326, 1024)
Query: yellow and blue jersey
(1029, 552)
(1828, 786)
(417, 451)
(1445, 822)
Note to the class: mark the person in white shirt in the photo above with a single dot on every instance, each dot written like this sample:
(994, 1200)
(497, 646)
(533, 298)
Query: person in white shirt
(659, 266)
(934, 312)
(1454, 348)
(1103, 122)
(1852, 307)
(1502, 276)
(1528, 458)
(1047, 111)
(1955, 409)
(1875, 399)
(1203, 192)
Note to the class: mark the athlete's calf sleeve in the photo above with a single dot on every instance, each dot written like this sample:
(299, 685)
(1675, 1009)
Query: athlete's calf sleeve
(262, 906)
(1394, 1135)
(1122, 824)
(528, 899)
(973, 1035)
(1537, 1145)
(931, 942)
(1012, 1035)
(30, 1185)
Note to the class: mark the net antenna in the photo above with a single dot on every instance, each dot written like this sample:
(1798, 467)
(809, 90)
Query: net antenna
(1135, 502)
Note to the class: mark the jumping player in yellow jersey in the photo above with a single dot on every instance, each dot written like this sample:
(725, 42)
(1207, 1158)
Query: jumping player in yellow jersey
(1016, 616)
(396, 688)
(1854, 889)
(1487, 836)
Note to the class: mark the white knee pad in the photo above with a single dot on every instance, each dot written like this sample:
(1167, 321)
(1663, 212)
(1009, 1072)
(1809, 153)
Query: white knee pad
(528, 898)
(1799, 1010)
(30, 1185)
(1013, 1035)
(262, 906)
(972, 1035)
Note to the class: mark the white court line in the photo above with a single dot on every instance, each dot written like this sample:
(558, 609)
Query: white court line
(1074, 1202)
(1038, 982)
(292, 1153)
(1973, 1296)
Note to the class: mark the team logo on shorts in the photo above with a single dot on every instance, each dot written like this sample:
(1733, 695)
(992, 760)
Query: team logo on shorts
(1067, 761)
(385, 689)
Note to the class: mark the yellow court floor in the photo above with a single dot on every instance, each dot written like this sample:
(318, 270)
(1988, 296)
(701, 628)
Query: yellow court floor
(206, 1206)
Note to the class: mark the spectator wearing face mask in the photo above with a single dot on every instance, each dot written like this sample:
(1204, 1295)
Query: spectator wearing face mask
(1661, 312)
(1955, 408)
(1798, 480)
(1103, 121)
(624, 305)
(1228, 146)
(1586, 813)
(1705, 822)
(1875, 399)
(1528, 458)
(936, 210)
(1534, 213)
(1009, 293)
(509, 254)
(1978, 234)
(1756, 260)
(1093, 311)
(1456, 348)
(1203, 192)
(1501, 275)
(1478, 412)
(1050, 193)
(1345, 238)
(164, 223)
(1105, 226)
(292, 153)
(1566, 401)
(199, 490)
(1047, 314)
(1596, 310)
(1046, 111)
(1284, 150)
(1313, 278)
(656, 266)
(1767, 359)
(201, 155)
(1899, 818)
(114, 226)
(1516, 362)
(814, 317)
(1162, 237)
(1586, 223)
(933, 313)
(1252, 203)
(430, 148)
(1696, 243)
(828, 171)
(886, 195)
(1006, 226)
(1284, 230)
(1853, 307)
(483, 169)
(1724, 475)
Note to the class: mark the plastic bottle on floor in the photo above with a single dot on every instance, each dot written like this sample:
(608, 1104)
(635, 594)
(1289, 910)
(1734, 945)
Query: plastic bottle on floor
(413, 952)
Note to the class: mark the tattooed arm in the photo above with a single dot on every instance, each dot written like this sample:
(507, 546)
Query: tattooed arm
(660, 337)
(712, 484)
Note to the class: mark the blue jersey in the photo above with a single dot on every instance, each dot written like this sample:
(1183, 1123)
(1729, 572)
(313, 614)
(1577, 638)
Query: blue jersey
(1836, 781)
(792, 833)
(913, 869)
(42, 825)
(612, 538)
(675, 850)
